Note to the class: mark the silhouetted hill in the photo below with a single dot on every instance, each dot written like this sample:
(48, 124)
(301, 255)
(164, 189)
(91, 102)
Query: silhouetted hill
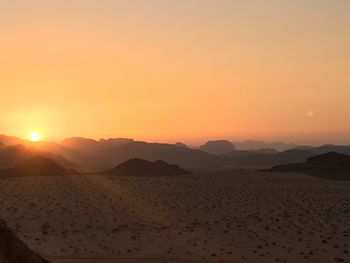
(14, 155)
(251, 145)
(36, 166)
(330, 165)
(266, 150)
(140, 167)
(180, 144)
(330, 159)
(344, 149)
(10, 140)
(13, 250)
(218, 147)
(251, 158)
(303, 147)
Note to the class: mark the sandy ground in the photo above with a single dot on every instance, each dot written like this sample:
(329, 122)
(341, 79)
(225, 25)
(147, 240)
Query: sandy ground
(232, 216)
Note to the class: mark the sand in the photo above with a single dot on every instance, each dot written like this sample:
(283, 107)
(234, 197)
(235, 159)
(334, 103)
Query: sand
(208, 216)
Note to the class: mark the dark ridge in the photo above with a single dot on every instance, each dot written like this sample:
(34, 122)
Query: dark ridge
(344, 149)
(218, 147)
(13, 250)
(36, 166)
(250, 158)
(180, 144)
(253, 145)
(10, 140)
(102, 155)
(14, 155)
(116, 141)
(86, 143)
(267, 150)
(330, 159)
(140, 167)
(332, 165)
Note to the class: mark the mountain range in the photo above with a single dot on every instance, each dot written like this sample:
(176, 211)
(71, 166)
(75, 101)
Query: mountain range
(252, 145)
(86, 154)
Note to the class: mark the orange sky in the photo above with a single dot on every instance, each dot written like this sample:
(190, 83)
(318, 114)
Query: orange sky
(166, 70)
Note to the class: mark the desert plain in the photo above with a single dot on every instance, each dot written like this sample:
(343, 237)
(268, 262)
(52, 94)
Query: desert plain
(226, 215)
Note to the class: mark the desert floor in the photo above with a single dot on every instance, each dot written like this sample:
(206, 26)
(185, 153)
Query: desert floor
(209, 216)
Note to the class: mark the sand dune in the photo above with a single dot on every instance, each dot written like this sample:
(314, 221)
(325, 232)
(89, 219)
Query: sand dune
(233, 216)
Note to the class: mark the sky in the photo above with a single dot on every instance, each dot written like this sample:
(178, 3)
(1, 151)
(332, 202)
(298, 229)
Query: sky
(176, 70)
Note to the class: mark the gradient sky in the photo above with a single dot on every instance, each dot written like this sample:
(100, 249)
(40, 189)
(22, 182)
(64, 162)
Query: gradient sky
(168, 70)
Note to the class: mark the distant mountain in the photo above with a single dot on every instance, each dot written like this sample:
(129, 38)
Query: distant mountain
(256, 159)
(344, 149)
(252, 145)
(93, 153)
(218, 147)
(79, 142)
(115, 141)
(330, 159)
(332, 165)
(10, 140)
(90, 144)
(266, 150)
(13, 250)
(140, 167)
(36, 166)
(180, 144)
(14, 155)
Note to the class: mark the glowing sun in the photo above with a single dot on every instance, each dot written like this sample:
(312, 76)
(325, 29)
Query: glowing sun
(35, 137)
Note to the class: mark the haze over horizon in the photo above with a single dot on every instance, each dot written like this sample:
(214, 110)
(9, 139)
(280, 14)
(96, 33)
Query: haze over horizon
(36, 139)
(167, 71)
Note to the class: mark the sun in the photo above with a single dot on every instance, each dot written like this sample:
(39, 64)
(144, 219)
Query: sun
(35, 137)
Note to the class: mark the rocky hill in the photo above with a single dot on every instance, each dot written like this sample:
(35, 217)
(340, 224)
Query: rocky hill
(140, 167)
